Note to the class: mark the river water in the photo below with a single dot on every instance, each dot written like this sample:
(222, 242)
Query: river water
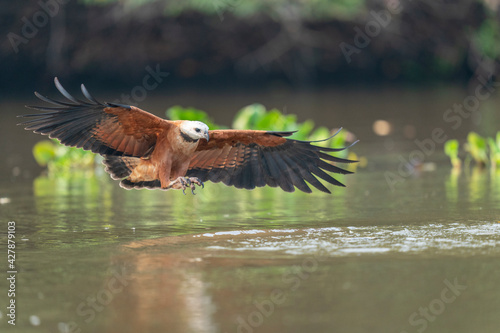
(402, 248)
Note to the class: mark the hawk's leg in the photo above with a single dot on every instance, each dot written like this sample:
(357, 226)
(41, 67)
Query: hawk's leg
(184, 182)
(193, 181)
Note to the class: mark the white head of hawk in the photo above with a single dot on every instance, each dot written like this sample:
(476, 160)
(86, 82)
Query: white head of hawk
(194, 130)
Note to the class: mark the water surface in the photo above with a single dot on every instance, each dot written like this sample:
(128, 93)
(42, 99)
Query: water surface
(418, 255)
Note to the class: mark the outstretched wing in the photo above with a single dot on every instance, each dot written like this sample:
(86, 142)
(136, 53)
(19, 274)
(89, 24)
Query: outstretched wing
(103, 128)
(249, 159)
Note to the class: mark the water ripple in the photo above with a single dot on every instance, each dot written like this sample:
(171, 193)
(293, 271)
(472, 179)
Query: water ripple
(454, 238)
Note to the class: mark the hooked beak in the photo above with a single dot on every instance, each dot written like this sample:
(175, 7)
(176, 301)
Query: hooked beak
(206, 136)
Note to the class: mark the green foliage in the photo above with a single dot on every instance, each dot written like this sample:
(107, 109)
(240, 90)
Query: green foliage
(480, 149)
(45, 152)
(342, 9)
(494, 146)
(256, 117)
(179, 113)
(59, 158)
(487, 37)
(476, 146)
(443, 66)
(451, 148)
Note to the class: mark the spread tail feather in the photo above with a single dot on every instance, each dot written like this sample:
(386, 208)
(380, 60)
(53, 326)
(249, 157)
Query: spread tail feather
(150, 185)
(120, 167)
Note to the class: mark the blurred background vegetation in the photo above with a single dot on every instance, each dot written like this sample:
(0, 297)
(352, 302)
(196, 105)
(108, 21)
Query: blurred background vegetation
(249, 43)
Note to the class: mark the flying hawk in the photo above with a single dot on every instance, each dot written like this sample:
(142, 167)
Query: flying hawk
(145, 151)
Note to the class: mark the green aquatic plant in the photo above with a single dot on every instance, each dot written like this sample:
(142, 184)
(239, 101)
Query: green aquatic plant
(451, 148)
(57, 157)
(476, 146)
(179, 113)
(494, 145)
(342, 9)
(256, 116)
(481, 150)
(486, 37)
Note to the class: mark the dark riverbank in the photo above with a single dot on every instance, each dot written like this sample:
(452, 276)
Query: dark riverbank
(379, 41)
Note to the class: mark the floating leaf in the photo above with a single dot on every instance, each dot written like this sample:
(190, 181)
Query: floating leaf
(321, 133)
(44, 152)
(477, 148)
(494, 151)
(248, 117)
(179, 113)
(304, 130)
(451, 148)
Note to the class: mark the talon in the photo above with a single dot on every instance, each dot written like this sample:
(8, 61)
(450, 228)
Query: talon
(196, 181)
(190, 182)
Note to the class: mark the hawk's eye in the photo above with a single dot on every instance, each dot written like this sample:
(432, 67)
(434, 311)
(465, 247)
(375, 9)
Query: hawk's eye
(197, 130)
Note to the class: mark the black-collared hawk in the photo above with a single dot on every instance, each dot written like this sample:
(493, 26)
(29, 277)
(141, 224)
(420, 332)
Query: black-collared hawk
(145, 151)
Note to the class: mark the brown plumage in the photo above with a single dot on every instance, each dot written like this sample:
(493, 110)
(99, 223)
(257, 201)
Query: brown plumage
(145, 151)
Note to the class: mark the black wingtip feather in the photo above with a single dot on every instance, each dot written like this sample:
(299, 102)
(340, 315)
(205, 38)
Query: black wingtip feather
(116, 105)
(64, 92)
(281, 134)
(87, 95)
(326, 177)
